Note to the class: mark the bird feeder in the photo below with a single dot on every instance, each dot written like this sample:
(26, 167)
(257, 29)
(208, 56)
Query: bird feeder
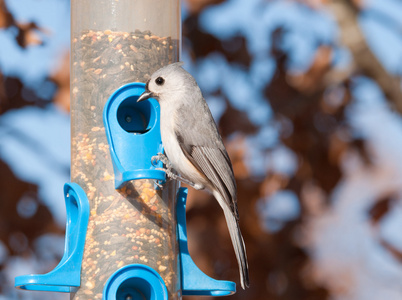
(115, 43)
(126, 223)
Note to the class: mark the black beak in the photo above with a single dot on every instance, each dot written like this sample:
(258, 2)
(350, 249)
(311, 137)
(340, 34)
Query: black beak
(145, 95)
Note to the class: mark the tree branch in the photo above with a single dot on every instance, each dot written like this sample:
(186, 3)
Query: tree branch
(352, 37)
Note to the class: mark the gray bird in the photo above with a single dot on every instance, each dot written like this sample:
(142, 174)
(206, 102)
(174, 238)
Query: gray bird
(194, 147)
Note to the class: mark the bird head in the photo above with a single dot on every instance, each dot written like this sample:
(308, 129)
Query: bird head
(171, 79)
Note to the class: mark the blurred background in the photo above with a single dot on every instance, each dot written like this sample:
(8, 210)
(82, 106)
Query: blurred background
(307, 95)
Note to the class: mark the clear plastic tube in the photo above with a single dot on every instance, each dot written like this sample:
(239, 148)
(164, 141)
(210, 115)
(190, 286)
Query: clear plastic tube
(114, 42)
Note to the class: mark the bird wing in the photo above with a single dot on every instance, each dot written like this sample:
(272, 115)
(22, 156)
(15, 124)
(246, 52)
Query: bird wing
(215, 165)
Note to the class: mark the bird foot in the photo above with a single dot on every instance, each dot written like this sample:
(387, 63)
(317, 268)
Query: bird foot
(169, 171)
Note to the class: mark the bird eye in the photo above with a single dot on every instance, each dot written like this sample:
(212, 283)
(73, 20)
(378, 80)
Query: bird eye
(159, 81)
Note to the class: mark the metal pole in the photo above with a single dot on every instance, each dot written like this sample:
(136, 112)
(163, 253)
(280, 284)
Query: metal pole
(114, 42)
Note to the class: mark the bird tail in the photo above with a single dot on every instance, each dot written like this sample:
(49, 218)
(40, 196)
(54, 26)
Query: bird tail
(238, 245)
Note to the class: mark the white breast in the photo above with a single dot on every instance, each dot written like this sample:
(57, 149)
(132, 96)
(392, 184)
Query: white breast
(172, 148)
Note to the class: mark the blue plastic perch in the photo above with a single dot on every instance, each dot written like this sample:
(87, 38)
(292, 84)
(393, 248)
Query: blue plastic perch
(66, 276)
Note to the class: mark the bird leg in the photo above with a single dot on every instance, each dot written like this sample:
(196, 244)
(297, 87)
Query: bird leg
(173, 176)
(161, 157)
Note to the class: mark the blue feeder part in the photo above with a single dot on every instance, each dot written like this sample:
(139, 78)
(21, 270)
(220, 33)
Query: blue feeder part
(133, 133)
(66, 276)
(135, 281)
(194, 282)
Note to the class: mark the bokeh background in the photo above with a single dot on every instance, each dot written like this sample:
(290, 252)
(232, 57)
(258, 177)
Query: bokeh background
(307, 95)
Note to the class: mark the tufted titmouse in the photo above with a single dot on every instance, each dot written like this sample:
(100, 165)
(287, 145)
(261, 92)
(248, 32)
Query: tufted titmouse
(194, 147)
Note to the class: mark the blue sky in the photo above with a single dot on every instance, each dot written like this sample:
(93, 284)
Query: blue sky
(34, 63)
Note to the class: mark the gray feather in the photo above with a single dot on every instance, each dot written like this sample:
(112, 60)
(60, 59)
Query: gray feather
(239, 247)
(211, 163)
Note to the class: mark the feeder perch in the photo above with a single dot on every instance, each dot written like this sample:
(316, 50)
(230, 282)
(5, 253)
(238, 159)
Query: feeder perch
(66, 276)
(194, 282)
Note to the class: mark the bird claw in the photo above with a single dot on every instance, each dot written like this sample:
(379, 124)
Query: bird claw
(160, 157)
(158, 184)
